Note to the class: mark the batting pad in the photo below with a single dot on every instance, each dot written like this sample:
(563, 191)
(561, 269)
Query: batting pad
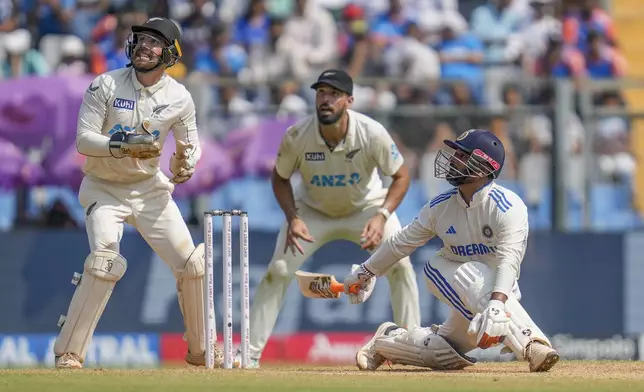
(474, 282)
(102, 269)
(421, 347)
(190, 290)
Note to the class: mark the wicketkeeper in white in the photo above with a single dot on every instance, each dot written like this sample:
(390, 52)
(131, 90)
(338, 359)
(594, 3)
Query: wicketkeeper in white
(123, 122)
(338, 153)
(484, 228)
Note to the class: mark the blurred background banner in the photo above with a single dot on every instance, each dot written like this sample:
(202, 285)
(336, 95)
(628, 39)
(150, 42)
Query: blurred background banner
(561, 83)
(561, 275)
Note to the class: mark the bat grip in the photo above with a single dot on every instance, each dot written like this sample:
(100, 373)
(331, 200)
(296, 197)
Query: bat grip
(337, 287)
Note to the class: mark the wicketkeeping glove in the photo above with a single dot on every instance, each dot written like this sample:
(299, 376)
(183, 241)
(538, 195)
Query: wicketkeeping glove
(182, 163)
(491, 326)
(134, 146)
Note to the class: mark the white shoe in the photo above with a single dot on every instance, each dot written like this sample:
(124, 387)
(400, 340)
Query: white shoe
(367, 358)
(541, 357)
(69, 361)
(252, 363)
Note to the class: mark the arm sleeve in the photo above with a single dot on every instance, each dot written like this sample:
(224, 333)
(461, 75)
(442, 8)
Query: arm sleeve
(185, 129)
(513, 241)
(402, 243)
(385, 153)
(89, 138)
(287, 155)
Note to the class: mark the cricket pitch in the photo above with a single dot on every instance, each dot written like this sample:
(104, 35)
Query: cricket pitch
(586, 376)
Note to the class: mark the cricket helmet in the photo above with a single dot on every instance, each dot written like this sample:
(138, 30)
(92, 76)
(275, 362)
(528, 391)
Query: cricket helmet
(477, 153)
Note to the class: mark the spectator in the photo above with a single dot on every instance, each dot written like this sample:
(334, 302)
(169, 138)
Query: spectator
(560, 61)
(582, 17)
(52, 20)
(291, 104)
(223, 57)
(21, 59)
(9, 14)
(603, 61)
(270, 61)
(116, 57)
(72, 57)
(253, 28)
(233, 112)
(494, 23)
(310, 36)
(412, 60)
(535, 165)
(612, 142)
(532, 41)
(390, 26)
(86, 16)
(353, 43)
(461, 55)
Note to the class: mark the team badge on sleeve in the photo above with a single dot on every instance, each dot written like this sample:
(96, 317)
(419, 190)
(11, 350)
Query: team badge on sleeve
(394, 151)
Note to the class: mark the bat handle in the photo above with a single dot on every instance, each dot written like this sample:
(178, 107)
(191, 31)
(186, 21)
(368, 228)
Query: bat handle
(338, 287)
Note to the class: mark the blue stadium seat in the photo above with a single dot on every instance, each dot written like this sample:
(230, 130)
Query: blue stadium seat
(7, 209)
(264, 212)
(253, 194)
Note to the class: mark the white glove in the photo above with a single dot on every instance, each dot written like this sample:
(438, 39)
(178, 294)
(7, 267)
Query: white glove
(362, 277)
(182, 163)
(491, 326)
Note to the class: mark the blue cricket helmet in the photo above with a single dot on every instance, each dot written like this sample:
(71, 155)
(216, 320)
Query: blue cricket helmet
(477, 153)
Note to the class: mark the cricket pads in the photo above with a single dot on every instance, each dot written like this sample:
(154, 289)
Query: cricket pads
(102, 269)
(191, 293)
(421, 347)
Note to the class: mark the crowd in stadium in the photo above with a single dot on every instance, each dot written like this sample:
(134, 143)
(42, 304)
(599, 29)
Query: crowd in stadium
(246, 58)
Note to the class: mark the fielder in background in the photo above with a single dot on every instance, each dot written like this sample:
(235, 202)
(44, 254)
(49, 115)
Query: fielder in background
(484, 228)
(124, 120)
(338, 153)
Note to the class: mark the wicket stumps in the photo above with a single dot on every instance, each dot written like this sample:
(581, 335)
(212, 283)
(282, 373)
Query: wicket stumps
(227, 274)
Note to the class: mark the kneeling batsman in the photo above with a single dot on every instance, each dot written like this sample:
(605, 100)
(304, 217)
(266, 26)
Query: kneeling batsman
(494, 322)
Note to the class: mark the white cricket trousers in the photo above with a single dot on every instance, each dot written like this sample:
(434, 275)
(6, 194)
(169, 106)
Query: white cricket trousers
(269, 297)
(439, 277)
(148, 206)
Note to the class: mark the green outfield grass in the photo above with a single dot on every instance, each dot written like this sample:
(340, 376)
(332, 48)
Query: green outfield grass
(511, 376)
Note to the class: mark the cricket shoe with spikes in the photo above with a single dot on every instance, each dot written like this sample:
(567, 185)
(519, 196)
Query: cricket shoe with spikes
(367, 358)
(540, 357)
(69, 361)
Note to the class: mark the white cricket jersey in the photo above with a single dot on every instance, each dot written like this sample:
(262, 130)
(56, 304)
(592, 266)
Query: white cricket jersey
(344, 180)
(116, 101)
(493, 229)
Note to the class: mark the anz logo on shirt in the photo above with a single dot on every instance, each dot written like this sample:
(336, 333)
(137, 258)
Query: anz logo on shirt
(335, 180)
(127, 129)
(472, 250)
